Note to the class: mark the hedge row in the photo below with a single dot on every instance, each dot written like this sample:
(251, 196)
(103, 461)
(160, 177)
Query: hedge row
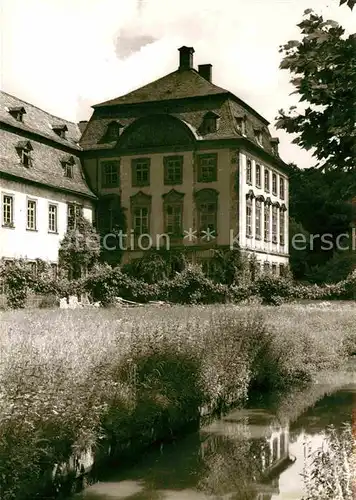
(191, 286)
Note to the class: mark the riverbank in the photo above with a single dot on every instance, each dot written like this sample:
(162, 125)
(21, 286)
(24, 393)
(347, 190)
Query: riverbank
(74, 380)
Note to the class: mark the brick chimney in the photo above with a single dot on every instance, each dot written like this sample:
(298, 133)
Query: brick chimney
(186, 58)
(205, 70)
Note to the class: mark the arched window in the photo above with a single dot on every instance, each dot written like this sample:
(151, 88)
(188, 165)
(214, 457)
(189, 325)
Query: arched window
(113, 131)
(210, 123)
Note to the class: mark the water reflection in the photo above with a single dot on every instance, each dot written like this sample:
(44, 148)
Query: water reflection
(247, 455)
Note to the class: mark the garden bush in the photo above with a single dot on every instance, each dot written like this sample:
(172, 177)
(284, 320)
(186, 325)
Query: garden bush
(191, 286)
(273, 290)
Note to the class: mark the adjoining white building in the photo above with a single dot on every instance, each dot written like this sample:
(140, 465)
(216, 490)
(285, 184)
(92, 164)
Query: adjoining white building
(42, 184)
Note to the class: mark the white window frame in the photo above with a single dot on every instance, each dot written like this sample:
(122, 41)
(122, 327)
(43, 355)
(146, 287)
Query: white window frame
(55, 227)
(258, 219)
(9, 223)
(249, 218)
(34, 214)
(267, 185)
(249, 171)
(143, 226)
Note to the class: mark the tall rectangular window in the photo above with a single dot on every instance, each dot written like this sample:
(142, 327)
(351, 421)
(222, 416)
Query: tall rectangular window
(249, 171)
(258, 176)
(7, 210)
(274, 184)
(207, 167)
(173, 219)
(26, 159)
(140, 171)
(248, 218)
(110, 174)
(52, 219)
(274, 224)
(258, 219)
(68, 170)
(281, 188)
(141, 220)
(31, 215)
(282, 223)
(207, 217)
(266, 180)
(173, 170)
(266, 222)
(74, 212)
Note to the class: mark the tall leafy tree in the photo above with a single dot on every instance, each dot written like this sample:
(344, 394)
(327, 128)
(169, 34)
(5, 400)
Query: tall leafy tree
(323, 69)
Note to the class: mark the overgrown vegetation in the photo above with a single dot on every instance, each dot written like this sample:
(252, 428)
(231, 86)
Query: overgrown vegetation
(140, 375)
(330, 471)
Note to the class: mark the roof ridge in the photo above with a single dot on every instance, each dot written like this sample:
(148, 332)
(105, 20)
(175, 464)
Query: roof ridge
(37, 107)
(113, 101)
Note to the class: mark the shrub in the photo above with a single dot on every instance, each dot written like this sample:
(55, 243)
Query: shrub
(273, 290)
(49, 301)
(192, 287)
(80, 248)
(16, 277)
(105, 284)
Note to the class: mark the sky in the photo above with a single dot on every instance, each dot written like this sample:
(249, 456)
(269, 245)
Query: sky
(66, 55)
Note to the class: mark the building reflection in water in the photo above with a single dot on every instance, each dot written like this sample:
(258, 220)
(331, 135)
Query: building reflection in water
(245, 452)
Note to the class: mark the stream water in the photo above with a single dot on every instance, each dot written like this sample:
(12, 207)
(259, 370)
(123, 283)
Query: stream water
(246, 455)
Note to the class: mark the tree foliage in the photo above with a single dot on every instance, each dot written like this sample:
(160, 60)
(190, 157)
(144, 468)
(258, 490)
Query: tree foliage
(323, 69)
(80, 248)
(321, 211)
(349, 3)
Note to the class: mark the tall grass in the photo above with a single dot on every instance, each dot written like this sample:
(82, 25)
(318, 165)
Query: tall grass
(70, 379)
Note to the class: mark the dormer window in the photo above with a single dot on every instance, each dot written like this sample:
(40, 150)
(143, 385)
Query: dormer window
(241, 124)
(17, 113)
(113, 131)
(60, 130)
(258, 136)
(24, 149)
(68, 164)
(274, 145)
(210, 123)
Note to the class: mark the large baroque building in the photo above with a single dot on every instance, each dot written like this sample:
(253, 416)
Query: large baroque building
(182, 162)
(191, 165)
(42, 185)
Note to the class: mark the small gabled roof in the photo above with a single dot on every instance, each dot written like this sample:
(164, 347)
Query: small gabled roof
(24, 145)
(60, 126)
(17, 109)
(68, 159)
(211, 114)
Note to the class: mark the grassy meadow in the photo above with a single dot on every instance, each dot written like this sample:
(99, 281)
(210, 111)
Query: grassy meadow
(71, 378)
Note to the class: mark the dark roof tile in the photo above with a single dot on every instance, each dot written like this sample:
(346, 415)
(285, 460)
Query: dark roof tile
(176, 85)
(37, 121)
(46, 167)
